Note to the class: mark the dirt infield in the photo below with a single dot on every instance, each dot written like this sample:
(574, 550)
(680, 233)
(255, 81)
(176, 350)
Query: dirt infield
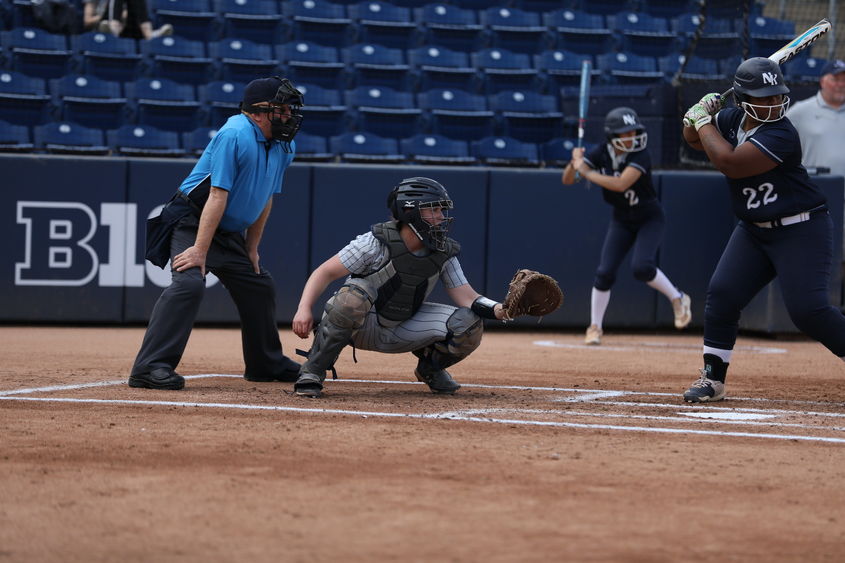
(552, 451)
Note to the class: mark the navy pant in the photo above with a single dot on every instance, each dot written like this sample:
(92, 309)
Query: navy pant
(644, 234)
(800, 256)
(176, 309)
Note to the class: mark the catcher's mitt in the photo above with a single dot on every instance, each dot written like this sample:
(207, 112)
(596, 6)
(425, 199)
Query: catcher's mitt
(531, 293)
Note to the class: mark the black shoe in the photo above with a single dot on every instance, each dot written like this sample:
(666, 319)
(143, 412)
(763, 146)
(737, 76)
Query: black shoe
(308, 385)
(439, 382)
(289, 372)
(159, 378)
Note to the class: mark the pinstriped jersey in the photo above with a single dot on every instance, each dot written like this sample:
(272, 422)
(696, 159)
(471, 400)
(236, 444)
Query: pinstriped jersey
(782, 191)
(605, 160)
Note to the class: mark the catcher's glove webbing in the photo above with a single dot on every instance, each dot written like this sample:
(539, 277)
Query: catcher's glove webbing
(531, 293)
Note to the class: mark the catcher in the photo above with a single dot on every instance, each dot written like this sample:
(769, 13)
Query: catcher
(391, 270)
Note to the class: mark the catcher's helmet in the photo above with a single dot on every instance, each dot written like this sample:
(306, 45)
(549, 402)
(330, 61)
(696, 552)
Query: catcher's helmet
(622, 120)
(760, 77)
(413, 194)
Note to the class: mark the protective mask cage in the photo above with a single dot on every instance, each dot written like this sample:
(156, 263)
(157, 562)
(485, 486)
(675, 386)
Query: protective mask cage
(630, 144)
(754, 111)
(433, 236)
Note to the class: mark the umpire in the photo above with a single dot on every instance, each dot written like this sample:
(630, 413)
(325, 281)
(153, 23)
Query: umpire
(220, 211)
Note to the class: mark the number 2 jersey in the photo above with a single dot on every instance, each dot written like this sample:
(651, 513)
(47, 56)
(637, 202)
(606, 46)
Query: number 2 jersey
(637, 200)
(782, 191)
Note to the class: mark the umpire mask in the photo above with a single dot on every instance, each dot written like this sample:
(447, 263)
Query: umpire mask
(422, 204)
(279, 92)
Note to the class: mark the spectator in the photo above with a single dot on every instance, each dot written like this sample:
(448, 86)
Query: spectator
(129, 18)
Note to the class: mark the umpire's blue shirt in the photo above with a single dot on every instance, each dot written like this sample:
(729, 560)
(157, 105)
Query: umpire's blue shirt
(241, 161)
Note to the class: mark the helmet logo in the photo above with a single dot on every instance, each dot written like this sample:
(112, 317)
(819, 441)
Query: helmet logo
(629, 119)
(410, 204)
(770, 78)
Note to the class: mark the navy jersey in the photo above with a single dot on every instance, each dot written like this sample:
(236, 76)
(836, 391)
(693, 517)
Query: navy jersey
(641, 192)
(782, 191)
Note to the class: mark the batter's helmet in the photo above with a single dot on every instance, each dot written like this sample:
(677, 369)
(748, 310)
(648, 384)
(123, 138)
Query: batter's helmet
(622, 120)
(413, 194)
(759, 77)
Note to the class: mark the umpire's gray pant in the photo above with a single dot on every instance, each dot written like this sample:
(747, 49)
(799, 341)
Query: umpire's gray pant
(176, 309)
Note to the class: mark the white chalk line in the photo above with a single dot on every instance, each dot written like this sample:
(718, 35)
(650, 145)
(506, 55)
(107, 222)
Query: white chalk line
(640, 345)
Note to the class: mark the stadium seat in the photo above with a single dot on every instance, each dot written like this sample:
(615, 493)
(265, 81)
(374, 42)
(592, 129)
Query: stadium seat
(605, 7)
(504, 70)
(241, 60)
(384, 23)
(384, 111)
(436, 149)
(505, 151)
(440, 67)
(528, 116)
(375, 65)
(366, 147)
(195, 141)
(259, 20)
(23, 99)
(36, 52)
(563, 68)
(696, 68)
(70, 138)
(221, 99)
(629, 68)
(326, 114)
(312, 148)
(309, 63)
(804, 69)
(178, 59)
(457, 114)
(515, 30)
(451, 26)
(192, 19)
(165, 104)
(669, 8)
(558, 152)
(89, 101)
(144, 140)
(645, 99)
(718, 39)
(319, 21)
(106, 56)
(15, 138)
(580, 32)
(645, 35)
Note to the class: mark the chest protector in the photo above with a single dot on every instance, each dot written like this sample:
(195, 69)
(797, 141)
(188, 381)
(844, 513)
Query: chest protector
(405, 280)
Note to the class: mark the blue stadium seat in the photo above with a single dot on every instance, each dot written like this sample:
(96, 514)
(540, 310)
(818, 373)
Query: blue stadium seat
(221, 99)
(241, 60)
(144, 140)
(516, 30)
(504, 70)
(645, 35)
(804, 69)
(384, 23)
(384, 111)
(195, 141)
(311, 63)
(580, 32)
(629, 68)
(451, 26)
(457, 114)
(319, 21)
(312, 148)
(326, 113)
(15, 138)
(70, 138)
(563, 68)
(375, 65)
(366, 147)
(696, 68)
(23, 99)
(36, 52)
(606, 7)
(106, 56)
(718, 39)
(436, 149)
(178, 59)
(260, 20)
(558, 152)
(89, 101)
(165, 104)
(528, 116)
(645, 99)
(669, 8)
(505, 151)
(191, 19)
(441, 67)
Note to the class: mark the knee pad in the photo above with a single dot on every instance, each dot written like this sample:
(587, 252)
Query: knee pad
(348, 307)
(644, 272)
(465, 331)
(604, 281)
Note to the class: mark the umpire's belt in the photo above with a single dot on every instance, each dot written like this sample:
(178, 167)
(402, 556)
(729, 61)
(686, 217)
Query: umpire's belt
(792, 219)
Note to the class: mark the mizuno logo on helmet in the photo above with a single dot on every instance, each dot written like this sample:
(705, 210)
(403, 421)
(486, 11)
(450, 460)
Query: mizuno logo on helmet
(770, 78)
(629, 119)
(410, 204)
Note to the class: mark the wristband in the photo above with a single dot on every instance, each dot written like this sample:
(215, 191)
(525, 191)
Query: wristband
(484, 307)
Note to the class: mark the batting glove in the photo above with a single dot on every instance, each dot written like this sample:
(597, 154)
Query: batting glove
(697, 117)
(712, 103)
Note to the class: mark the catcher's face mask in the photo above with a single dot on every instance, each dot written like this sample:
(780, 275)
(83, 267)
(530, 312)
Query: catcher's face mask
(430, 221)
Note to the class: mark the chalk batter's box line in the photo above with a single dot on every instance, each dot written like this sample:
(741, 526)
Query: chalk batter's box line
(11, 395)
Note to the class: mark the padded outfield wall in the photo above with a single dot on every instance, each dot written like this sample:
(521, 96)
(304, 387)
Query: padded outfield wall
(73, 231)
